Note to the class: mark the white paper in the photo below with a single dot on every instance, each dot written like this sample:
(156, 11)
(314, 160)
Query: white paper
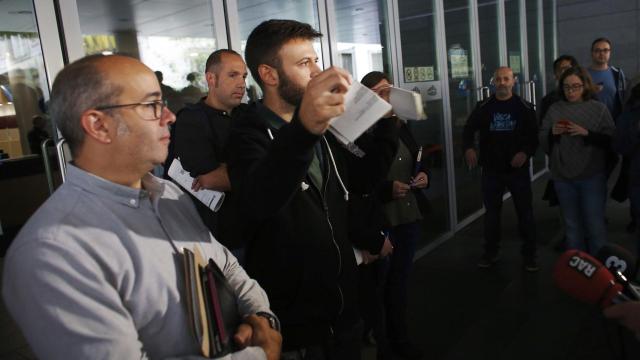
(358, 255)
(363, 108)
(407, 105)
(211, 198)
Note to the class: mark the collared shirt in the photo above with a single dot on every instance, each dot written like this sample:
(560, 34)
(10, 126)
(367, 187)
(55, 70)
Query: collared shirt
(95, 273)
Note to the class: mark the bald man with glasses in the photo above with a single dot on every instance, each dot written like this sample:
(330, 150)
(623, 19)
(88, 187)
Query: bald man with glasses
(97, 271)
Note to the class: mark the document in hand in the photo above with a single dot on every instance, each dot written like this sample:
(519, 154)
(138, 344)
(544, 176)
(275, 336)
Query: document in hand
(213, 199)
(363, 108)
(407, 105)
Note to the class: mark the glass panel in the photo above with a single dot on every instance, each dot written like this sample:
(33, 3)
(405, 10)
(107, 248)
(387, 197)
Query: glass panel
(362, 37)
(24, 124)
(489, 40)
(535, 67)
(253, 12)
(421, 72)
(147, 30)
(462, 96)
(514, 46)
(549, 43)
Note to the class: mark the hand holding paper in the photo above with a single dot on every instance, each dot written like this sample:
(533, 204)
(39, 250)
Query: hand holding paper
(324, 98)
(213, 199)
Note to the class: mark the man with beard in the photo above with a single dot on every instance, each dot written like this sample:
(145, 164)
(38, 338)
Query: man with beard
(200, 135)
(290, 178)
(507, 130)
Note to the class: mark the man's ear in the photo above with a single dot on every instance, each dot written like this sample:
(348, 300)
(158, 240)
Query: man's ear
(268, 75)
(98, 126)
(210, 76)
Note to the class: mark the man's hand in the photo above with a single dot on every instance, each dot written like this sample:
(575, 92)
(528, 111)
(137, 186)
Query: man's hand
(420, 181)
(576, 130)
(627, 314)
(399, 190)
(387, 247)
(324, 99)
(217, 179)
(262, 335)
(367, 257)
(471, 158)
(518, 160)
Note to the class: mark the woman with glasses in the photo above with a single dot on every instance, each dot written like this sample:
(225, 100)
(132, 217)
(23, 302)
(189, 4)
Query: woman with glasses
(576, 133)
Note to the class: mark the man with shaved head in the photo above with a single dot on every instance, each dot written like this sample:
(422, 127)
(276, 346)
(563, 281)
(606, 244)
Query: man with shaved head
(507, 130)
(97, 272)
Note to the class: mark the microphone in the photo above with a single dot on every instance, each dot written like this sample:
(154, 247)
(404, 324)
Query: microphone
(621, 264)
(586, 279)
(617, 258)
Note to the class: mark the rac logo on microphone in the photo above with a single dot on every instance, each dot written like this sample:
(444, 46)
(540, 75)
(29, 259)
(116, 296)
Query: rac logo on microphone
(582, 266)
(615, 263)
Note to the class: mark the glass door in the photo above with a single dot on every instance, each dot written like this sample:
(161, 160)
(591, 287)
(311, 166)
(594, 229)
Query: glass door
(463, 96)
(515, 53)
(419, 70)
(27, 134)
(490, 44)
(535, 51)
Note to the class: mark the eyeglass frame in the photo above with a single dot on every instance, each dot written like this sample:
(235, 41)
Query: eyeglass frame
(572, 88)
(597, 50)
(158, 116)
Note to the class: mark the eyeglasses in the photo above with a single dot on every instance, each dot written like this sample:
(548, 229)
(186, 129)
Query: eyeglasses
(574, 87)
(148, 110)
(601, 50)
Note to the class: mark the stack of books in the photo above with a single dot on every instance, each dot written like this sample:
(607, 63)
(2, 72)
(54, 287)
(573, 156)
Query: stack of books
(213, 311)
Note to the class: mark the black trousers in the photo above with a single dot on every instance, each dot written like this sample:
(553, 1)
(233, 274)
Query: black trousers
(494, 184)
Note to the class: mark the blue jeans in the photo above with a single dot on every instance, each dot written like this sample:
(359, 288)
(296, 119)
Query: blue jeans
(583, 205)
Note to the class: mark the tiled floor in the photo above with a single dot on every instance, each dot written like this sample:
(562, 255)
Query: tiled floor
(458, 311)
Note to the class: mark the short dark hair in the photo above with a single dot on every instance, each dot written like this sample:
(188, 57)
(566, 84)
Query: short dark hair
(80, 86)
(266, 40)
(562, 58)
(373, 78)
(588, 88)
(600, 39)
(215, 59)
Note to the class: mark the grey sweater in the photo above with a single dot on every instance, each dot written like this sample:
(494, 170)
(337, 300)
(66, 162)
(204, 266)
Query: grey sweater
(94, 274)
(577, 157)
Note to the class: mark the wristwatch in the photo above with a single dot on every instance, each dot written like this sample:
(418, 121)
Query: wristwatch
(272, 319)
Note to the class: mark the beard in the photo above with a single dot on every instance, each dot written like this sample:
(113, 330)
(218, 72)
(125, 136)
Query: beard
(289, 91)
(503, 91)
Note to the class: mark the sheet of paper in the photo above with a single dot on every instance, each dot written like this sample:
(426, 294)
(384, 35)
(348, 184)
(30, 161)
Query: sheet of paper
(407, 104)
(211, 198)
(363, 108)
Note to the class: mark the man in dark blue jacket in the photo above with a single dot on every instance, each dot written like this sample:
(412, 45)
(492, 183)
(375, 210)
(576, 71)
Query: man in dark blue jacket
(508, 139)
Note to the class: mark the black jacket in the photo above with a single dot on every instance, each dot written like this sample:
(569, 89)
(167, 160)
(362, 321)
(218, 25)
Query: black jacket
(296, 234)
(367, 218)
(385, 188)
(497, 150)
(198, 139)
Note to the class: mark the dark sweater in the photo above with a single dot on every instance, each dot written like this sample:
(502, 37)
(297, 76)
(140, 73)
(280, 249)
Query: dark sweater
(505, 128)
